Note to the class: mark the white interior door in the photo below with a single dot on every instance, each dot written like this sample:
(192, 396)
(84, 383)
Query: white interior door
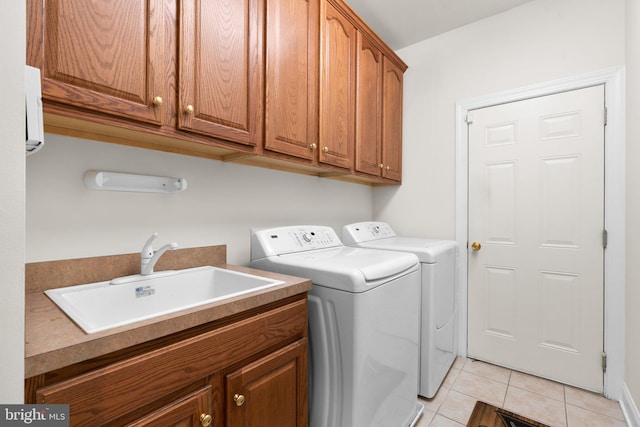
(536, 209)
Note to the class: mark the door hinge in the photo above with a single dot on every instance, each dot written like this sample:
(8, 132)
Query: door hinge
(605, 239)
(605, 115)
(604, 362)
(469, 118)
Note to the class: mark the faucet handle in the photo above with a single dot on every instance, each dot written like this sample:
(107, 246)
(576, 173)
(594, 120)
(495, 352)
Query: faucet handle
(147, 250)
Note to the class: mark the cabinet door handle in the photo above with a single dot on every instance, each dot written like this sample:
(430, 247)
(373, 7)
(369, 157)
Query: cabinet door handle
(381, 166)
(157, 100)
(325, 149)
(239, 399)
(313, 146)
(189, 109)
(205, 420)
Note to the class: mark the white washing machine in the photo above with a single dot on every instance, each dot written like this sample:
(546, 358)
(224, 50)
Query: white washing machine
(438, 335)
(363, 325)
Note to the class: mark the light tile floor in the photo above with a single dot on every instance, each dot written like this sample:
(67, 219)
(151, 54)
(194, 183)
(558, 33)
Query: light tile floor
(536, 398)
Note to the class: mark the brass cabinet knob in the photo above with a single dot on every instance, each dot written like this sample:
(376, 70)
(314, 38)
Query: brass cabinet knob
(239, 399)
(206, 419)
(325, 149)
(476, 246)
(388, 168)
(313, 146)
(189, 109)
(157, 100)
(381, 166)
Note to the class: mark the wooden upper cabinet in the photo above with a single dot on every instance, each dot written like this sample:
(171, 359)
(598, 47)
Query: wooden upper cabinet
(102, 56)
(220, 69)
(337, 87)
(392, 120)
(291, 83)
(368, 107)
(305, 82)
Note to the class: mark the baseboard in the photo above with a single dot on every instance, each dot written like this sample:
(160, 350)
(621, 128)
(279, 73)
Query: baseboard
(629, 408)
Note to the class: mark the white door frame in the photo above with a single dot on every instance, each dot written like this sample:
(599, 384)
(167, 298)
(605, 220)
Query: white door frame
(614, 258)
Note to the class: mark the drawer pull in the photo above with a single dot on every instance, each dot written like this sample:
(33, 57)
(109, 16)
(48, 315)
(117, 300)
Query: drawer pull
(239, 399)
(206, 419)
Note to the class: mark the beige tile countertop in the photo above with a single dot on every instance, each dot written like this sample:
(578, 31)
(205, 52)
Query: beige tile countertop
(53, 340)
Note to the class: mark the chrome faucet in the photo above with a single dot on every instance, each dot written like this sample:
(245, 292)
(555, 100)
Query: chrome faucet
(149, 257)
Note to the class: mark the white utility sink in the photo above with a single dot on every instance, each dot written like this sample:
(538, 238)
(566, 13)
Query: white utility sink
(103, 305)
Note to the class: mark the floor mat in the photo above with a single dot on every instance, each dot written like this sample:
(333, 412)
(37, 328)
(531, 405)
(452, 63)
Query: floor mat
(485, 415)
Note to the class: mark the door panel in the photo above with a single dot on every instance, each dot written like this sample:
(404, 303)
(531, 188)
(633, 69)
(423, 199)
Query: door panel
(392, 121)
(337, 87)
(104, 56)
(536, 206)
(368, 106)
(291, 77)
(221, 87)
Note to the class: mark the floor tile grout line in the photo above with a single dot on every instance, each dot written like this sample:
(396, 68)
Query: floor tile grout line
(566, 411)
(504, 400)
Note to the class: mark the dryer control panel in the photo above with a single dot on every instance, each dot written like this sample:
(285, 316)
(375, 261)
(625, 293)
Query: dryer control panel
(286, 240)
(366, 231)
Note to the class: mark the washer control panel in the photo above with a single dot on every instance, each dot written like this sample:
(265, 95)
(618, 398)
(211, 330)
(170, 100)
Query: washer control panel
(284, 240)
(366, 231)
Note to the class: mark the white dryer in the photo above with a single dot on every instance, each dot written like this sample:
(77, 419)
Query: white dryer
(438, 335)
(363, 325)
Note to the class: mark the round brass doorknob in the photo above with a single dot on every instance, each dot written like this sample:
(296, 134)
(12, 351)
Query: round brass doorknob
(157, 100)
(239, 399)
(189, 109)
(205, 420)
(476, 246)
(325, 149)
(313, 146)
(381, 166)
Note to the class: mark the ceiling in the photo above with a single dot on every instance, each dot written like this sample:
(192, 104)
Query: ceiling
(401, 23)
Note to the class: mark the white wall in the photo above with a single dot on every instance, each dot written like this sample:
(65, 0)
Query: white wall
(222, 203)
(537, 42)
(12, 165)
(632, 296)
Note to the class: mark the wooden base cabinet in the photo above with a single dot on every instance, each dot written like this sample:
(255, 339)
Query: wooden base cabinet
(248, 372)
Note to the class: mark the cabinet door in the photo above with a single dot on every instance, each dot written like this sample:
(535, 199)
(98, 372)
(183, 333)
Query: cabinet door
(220, 69)
(368, 107)
(291, 98)
(271, 391)
(337, 87)
(392, 121)
(101, 56)
(194, 410)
